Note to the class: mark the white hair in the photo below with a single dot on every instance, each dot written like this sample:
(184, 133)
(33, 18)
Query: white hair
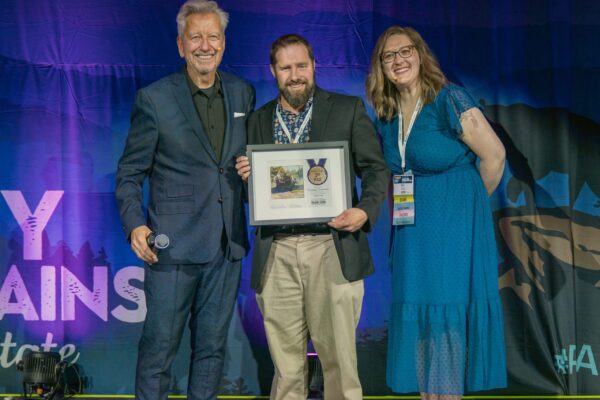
(200, 7)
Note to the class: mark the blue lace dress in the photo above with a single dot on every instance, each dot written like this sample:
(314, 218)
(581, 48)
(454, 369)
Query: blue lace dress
(446, 328)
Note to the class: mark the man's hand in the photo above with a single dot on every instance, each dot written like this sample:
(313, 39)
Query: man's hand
(242, 165)
(350, 220)
(139, 244)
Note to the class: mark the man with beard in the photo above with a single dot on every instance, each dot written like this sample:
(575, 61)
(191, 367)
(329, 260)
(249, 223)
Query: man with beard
(185, 131)
(308, 278)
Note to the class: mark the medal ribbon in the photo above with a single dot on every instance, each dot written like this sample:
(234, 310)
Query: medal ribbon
(321, 163)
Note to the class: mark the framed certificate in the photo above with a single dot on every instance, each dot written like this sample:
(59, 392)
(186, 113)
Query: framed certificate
(298, 183)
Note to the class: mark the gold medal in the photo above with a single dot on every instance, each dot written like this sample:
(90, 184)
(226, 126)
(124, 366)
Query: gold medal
(317, 175)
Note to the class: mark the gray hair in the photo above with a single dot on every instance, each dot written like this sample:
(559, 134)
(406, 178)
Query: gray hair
(200, 7)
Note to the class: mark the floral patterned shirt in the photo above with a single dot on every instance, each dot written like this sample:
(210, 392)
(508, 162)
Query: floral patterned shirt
(293, 123)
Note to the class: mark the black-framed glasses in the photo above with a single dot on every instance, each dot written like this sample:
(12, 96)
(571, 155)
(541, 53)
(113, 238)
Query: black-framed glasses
(404, 52)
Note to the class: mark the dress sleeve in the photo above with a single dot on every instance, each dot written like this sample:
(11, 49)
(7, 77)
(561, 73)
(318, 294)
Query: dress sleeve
(457, 101)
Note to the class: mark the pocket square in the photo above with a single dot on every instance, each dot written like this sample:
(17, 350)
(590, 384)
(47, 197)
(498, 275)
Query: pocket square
(238, 114)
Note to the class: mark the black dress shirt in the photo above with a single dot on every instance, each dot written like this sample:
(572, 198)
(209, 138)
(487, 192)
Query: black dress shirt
(210, 106)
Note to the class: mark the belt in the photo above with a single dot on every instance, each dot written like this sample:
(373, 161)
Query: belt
(456, 168)
(306, 229)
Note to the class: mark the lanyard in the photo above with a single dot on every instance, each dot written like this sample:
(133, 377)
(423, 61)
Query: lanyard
(402, 139)
(302, 127)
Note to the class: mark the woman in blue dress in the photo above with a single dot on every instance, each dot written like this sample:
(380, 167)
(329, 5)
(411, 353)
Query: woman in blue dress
(446, 329)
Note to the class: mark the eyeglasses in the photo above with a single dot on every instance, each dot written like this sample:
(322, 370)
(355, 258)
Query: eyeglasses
(404, 52)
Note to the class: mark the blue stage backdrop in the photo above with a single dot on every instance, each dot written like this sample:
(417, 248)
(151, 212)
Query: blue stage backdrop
(69, 70)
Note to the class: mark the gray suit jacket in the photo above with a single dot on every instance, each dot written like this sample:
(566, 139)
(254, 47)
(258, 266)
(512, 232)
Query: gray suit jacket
(193, 197)
(335, 118)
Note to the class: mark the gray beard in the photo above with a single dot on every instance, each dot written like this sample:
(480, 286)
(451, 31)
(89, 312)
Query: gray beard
(297, 100)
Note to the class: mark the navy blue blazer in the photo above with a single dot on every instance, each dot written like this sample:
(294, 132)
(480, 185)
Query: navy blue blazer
(193, 197)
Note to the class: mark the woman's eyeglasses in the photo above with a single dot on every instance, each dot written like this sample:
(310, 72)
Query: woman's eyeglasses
(404, 52)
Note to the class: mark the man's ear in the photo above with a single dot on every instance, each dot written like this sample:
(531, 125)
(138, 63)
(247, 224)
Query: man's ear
(180, 46)
(272, 70)
(224, 43)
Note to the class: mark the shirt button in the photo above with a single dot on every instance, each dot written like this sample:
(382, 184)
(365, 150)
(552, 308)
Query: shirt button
(220, 200)
(221, 170)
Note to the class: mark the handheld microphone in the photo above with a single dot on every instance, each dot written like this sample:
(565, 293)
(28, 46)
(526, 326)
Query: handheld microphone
(159, 242)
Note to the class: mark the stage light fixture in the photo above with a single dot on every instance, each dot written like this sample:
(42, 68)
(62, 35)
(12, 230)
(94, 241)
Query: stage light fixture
(40, 373)
(45, 375)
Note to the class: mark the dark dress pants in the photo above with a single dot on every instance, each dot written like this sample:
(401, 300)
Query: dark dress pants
(207, 294)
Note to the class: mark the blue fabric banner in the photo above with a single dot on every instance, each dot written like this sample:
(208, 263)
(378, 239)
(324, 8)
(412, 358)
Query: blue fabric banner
(69, 71)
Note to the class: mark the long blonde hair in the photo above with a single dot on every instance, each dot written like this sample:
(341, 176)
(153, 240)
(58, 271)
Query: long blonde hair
(382, 93)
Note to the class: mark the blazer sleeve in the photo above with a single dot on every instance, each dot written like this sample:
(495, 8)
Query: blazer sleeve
(136, 163)
(249, 113)
(369, 164)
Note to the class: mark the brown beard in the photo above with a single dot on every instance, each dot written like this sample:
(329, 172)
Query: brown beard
(297, 100)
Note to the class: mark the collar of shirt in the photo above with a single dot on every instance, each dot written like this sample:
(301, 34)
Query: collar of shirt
(194, 89)
(293, 122)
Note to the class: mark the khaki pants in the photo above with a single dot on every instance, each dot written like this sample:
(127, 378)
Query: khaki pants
(304, 293)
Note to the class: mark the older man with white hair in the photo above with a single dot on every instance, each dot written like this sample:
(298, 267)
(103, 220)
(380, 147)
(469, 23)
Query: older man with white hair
(185, 131)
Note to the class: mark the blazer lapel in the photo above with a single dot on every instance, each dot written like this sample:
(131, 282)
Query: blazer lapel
(228, 139)
(181, 92)
(321, 108)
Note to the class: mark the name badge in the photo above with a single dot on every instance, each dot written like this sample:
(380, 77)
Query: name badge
(403, 212)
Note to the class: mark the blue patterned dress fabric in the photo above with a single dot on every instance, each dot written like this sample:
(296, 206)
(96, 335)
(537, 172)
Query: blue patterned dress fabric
(294, 123)
(446, 327)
